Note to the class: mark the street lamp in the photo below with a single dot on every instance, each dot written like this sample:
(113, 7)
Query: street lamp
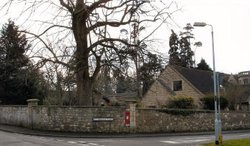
(216, 104)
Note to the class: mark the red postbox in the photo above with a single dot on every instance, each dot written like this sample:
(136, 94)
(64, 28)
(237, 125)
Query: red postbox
(127, 118)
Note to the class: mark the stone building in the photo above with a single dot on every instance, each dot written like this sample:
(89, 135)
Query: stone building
(179, 81)
(244, 80)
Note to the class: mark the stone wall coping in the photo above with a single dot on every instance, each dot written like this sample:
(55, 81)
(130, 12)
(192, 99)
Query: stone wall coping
(80, 107)
(33, 100)
(173, 109)
(84, 107)
(193, 110)
(124, 107)
(13, 105)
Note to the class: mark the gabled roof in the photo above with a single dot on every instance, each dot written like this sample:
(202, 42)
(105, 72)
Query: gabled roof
(200, 79)
(127, 96)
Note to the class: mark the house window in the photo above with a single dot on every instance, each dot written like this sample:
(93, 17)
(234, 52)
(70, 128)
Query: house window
(177, 85)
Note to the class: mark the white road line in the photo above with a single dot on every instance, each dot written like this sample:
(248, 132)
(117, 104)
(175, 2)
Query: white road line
(170, 142)
(185, 141)
(72, 142)
(93, 144)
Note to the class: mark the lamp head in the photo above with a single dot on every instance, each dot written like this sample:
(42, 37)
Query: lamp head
(200, 24)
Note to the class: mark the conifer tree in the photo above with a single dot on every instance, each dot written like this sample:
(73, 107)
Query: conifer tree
(180, 52)
(174, 57)
(203, 65)
(18, 80)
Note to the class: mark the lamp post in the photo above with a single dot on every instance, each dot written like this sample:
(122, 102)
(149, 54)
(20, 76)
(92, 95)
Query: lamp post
(216, 104)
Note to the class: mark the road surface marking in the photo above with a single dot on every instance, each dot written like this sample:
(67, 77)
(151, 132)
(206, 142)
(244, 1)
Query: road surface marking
(82, 142)
(170, 142)
(72, 142)
(93, 144)
(185, 141)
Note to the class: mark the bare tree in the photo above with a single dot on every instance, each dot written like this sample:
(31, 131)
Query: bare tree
(235, 94)
(84, 28)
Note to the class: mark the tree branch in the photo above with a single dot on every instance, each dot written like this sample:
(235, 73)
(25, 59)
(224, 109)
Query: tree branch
(70, 9)
(108, 40)
(49, 48)
(96, 5)
(53, 27)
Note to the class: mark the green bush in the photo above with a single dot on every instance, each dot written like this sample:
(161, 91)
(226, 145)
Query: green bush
(208, 102)
(181, 102)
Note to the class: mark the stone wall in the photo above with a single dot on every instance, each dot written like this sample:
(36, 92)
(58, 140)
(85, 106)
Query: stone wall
(169, 121)
(79, 119)
(188, 121)
(14, 115)
(111, 119)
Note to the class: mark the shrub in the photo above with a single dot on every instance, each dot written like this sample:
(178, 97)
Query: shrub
(181, 102)
(208, 102)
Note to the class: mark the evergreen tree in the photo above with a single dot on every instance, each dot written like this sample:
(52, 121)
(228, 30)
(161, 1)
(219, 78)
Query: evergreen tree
(180, 52)
(186, 54)
(13, 45)
(203, 65)
(174, 57)
(185, 46)
(18, 80)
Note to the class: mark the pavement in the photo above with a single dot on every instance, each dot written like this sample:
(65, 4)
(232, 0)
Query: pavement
(34, 132)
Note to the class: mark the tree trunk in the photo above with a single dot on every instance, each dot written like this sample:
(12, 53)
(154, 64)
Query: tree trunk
(84, 81)
(84, 88)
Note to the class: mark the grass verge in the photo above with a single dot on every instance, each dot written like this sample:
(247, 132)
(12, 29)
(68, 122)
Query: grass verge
(238, 142)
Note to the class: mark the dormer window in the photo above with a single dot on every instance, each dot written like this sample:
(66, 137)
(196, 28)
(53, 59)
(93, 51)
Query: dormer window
(177, 85)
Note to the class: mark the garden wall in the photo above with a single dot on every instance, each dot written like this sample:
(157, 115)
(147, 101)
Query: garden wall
(112, 119)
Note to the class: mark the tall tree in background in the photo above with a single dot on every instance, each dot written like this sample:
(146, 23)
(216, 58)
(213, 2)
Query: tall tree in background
(18, 80)
(85, 25)
(186, 53)
(174, 53)
(180, 52)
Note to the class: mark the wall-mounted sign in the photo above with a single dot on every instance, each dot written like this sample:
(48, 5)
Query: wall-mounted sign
(108, 119)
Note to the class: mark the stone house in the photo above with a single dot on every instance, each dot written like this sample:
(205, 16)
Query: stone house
(244, 78)
(244, 81)
(179, 81)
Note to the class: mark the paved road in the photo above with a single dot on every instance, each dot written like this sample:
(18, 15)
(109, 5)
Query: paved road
(12, 139)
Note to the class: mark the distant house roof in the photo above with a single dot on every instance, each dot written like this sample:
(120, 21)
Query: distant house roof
(202, 80)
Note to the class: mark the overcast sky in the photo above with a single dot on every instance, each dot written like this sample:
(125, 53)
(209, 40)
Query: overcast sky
(231, 22)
